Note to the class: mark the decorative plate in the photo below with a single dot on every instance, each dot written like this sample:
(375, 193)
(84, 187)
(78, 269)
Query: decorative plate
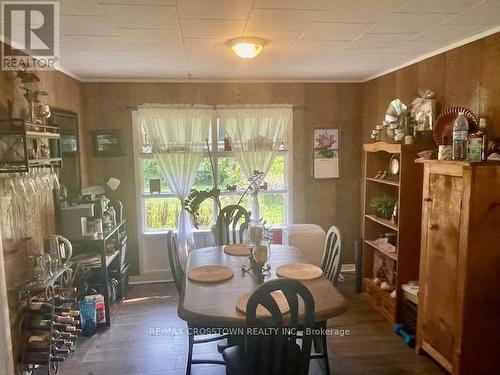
(444, 123)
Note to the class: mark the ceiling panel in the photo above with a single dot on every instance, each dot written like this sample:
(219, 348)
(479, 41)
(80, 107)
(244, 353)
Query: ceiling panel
(193, 28)
(80, 8)
(361, 11)
(291, 4)
(336, 31)
(316, 39)
(409, 23)
(379, 40)
(152, 36)
(318, 46)
(486, 13)
(142, 16)
(137, 2)
(443, 6)
(215, 9)
(86, 25)
(281, 20)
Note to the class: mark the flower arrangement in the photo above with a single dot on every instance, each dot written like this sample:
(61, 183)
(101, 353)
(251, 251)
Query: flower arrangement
(30, 81)
(383, 206)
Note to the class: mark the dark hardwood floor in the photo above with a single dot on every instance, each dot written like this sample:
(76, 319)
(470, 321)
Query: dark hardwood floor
(137, 343)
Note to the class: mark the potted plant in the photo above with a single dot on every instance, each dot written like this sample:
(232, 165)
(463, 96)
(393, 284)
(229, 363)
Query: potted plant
(383, 206)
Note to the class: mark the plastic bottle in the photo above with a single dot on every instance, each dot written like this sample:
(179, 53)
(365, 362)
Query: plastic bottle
(460, 136)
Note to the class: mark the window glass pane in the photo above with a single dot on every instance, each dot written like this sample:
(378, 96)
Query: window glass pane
(151, 170)
(203, 180)
(272, 208)
(221, 134)
(227, 200)
(163, 213)
(276, 177)
(230, 174)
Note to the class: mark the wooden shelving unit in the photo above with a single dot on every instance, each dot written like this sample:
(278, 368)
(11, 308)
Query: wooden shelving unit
(408, 191)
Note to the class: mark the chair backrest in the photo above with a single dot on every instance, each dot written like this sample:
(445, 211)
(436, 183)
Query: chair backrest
(276, 351)
(227, 230)
(175, 263)
(331, 255)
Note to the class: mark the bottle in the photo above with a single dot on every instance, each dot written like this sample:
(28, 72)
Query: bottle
(483, 128)
(460, 136)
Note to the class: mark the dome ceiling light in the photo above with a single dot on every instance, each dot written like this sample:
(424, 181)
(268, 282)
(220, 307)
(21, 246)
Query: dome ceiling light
(247, 48)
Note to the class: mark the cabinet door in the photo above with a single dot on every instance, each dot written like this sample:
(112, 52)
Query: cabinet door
(441, 224)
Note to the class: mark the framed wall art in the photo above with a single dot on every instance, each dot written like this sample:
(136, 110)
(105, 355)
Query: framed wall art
(107, 143)
(326, 153)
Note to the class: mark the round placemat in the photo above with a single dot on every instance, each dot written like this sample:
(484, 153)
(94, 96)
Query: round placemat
(237, 249)
(299, 271)
(210, 274)
(241, 304)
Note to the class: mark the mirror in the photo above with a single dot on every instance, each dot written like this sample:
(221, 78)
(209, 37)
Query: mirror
(69, 175)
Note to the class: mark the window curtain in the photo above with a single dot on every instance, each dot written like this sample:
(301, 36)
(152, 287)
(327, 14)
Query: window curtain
(256, 135)
(177, 137)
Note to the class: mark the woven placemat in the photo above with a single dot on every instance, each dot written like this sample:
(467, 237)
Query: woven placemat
(210, 274)
(299, 271)
(237, 249)
(241, 304)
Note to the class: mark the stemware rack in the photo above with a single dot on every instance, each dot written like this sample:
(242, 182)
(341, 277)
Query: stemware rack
(24, 145)
(44, 357)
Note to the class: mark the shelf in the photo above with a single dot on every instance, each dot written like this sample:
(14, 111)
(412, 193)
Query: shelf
(374, 244)
(43, 161)
(384, 181)
(384, 222)
(392, 148)
(33, 134)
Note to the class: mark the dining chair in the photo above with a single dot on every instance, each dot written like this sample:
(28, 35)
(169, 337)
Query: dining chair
(179, 280)
(330, 265)
(274, 349)
(227, 229)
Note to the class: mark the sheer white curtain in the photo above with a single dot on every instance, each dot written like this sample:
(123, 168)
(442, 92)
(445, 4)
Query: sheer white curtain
(256, 134)
(177, 136)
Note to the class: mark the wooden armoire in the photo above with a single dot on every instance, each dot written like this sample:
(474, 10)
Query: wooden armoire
(459, 297)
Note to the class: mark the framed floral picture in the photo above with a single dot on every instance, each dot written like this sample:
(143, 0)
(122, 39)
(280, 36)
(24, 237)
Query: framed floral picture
(326, 153)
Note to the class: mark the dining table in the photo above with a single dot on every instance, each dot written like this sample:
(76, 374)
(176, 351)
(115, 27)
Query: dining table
(214, 304)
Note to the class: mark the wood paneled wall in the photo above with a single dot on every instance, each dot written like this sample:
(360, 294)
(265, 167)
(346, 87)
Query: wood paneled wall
(323, 202)
(65, 93)
(466, 76)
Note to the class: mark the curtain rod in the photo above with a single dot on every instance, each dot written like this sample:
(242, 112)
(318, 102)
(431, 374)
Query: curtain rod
(214, 106)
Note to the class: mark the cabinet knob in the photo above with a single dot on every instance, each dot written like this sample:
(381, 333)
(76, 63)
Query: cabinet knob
(428, 199)
(434, 227)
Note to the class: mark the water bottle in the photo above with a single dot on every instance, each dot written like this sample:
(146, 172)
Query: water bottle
(460, 136)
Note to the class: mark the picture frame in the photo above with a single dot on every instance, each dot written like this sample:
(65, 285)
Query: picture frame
(326, 153)
(107, 143)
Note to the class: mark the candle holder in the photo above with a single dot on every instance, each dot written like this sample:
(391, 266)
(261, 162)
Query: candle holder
(260, 254)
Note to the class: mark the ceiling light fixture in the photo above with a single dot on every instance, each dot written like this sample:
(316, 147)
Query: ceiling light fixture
(247, 48)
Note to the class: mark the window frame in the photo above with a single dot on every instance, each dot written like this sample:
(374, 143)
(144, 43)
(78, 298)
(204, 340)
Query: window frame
(139, 156)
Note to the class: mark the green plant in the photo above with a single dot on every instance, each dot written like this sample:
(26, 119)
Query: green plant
(383, 206)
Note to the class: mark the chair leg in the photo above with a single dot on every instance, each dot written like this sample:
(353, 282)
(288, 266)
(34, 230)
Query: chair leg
(325, 352)
(190, 353)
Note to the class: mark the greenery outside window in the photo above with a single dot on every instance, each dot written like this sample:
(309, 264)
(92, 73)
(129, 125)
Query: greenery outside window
(161, 210)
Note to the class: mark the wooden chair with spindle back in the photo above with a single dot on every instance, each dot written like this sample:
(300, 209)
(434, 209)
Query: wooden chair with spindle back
(276, 351)
(330, 265)
(180, 279)
(231, 225)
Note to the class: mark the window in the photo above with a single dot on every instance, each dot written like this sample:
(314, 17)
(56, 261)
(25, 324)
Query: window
(161, 210)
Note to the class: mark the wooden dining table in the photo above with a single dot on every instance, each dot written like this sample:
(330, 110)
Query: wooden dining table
(215, 304)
